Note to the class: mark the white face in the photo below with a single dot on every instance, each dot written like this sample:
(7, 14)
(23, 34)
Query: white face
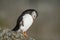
(34, 14)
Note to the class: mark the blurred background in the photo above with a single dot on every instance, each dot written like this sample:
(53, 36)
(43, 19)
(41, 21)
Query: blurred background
(45, 27)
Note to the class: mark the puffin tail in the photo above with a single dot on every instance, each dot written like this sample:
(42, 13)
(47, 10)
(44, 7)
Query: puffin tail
(16, 28)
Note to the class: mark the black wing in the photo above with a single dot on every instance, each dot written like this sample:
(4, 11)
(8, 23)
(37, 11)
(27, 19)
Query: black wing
(19, 20)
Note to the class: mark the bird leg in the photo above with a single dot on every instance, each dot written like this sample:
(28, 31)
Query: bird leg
(25, 34)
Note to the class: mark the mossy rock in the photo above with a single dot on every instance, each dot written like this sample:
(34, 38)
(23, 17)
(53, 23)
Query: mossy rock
(6, 34)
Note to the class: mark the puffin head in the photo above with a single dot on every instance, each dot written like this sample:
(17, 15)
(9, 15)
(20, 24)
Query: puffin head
(32, 12)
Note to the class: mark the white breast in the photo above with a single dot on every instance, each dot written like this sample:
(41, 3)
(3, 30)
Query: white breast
(27, 21)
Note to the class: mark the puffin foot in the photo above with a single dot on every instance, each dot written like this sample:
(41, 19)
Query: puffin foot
(25, 34)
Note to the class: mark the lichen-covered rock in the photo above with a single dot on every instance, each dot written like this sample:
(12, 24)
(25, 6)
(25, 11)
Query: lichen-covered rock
(6, 34)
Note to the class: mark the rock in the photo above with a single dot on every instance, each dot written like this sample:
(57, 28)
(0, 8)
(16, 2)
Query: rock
(6, 34)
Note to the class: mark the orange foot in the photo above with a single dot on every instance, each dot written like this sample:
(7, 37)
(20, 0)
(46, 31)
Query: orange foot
(25, 34)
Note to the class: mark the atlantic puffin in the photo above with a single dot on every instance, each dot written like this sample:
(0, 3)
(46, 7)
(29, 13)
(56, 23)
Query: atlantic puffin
(25, 20)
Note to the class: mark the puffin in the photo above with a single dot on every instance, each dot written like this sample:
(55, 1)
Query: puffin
(25, 20)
